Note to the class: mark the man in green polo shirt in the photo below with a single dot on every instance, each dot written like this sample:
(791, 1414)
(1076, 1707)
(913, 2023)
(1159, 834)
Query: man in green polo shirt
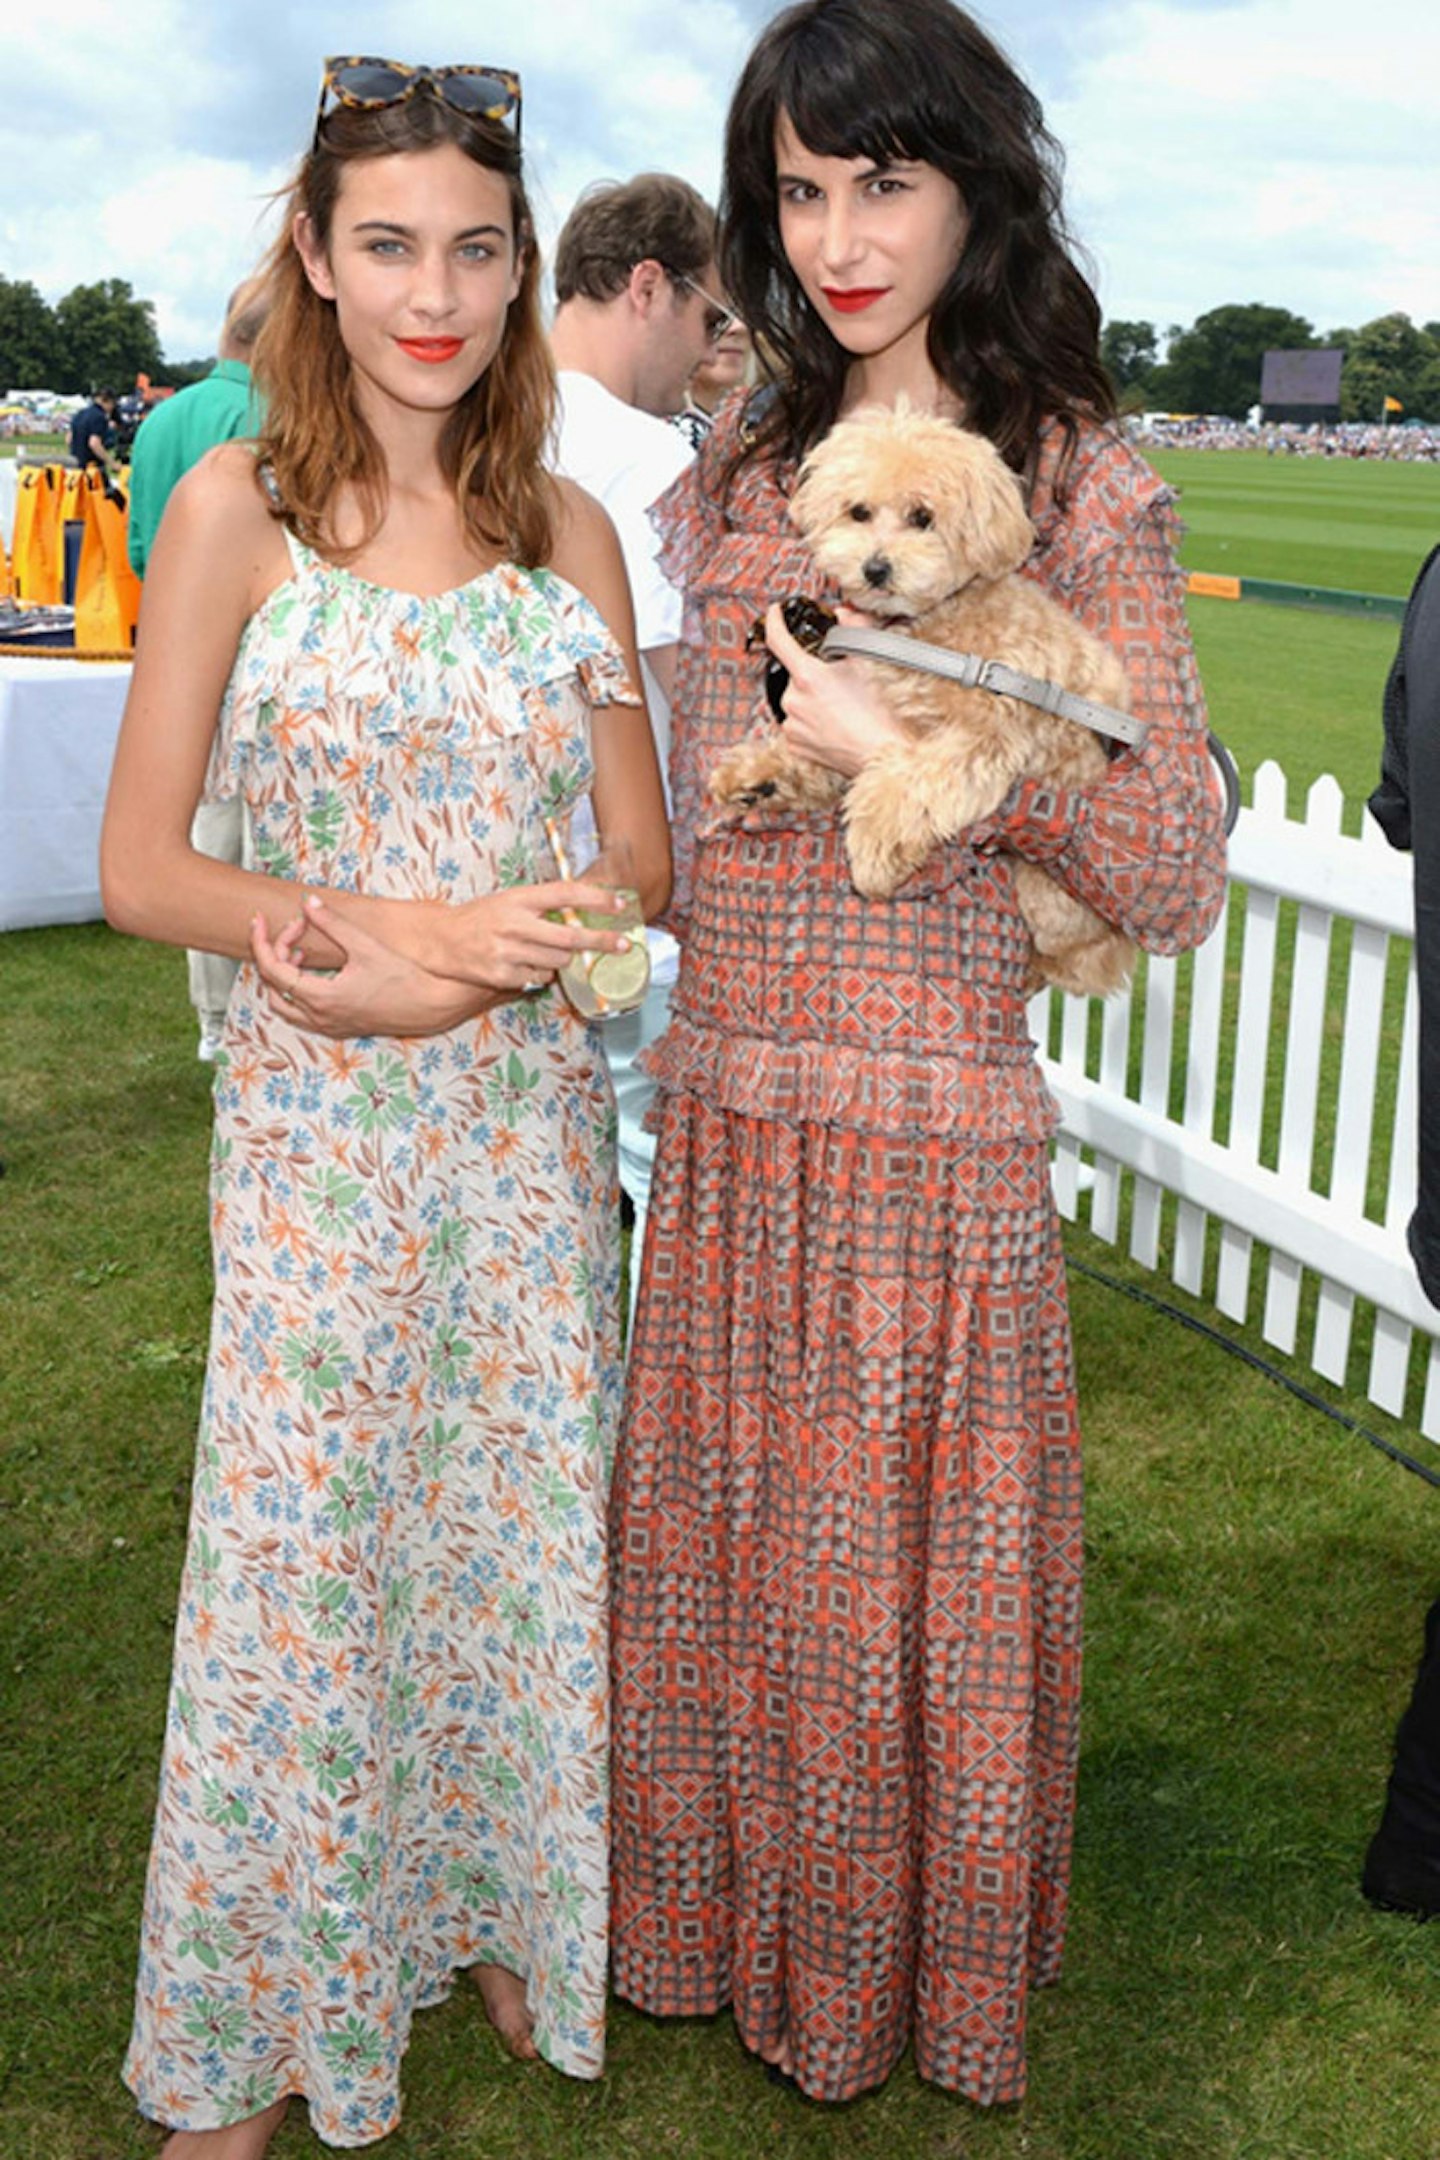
(172, 438)
(181, 429)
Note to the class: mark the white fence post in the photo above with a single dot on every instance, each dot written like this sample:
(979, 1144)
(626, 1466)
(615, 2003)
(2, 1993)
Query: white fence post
(1347, 1092)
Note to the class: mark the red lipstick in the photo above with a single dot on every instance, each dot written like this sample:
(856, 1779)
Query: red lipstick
(852, 301)
(432, 350)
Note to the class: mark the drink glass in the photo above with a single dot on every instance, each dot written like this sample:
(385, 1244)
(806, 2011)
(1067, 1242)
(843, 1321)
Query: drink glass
(601, 983)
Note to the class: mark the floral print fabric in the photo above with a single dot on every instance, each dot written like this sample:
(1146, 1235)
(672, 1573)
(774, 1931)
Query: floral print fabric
(385, 1755)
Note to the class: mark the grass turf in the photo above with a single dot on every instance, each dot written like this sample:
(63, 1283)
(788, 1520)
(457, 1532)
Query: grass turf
(1361, 524)
(1300, 687)
(1256, 1587)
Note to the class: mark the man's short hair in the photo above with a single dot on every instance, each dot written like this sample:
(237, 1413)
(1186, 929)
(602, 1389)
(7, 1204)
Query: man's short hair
(245, 315)
(653, 218)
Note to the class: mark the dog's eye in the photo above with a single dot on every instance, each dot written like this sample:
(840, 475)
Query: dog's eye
(920, 517)
(861, 513)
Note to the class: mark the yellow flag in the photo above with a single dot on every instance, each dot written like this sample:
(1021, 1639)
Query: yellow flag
(1393, 404)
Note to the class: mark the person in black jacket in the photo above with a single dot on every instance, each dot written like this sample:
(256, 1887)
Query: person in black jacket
(1402, 1865)
(92, 433)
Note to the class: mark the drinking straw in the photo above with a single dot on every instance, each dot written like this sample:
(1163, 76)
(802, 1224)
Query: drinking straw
(568, 914)
(557, 849)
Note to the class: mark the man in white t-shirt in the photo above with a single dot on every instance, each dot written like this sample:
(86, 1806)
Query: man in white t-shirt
(637, 310)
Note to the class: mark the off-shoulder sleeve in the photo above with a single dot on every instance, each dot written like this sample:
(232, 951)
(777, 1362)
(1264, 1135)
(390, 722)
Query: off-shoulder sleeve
(688, 516)
(605, 679)
(1144, 847)
(581, 644)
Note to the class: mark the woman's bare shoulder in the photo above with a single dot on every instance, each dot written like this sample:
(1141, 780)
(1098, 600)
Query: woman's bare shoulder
(224, 484)
(219, 512)
(585, 551)
(579, 520)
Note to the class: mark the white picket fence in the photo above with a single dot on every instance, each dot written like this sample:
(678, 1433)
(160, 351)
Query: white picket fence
(1301, 1189)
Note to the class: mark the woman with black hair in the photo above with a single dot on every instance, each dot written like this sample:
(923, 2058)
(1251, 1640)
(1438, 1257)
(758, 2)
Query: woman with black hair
(846, 1524)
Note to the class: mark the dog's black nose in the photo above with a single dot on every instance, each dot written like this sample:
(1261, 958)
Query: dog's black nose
(877, 570)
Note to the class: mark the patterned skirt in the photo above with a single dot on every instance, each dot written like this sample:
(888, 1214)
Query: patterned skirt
(385, 1755)
(846, 1550)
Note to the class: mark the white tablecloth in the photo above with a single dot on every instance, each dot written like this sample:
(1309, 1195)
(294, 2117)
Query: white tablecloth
(9, 490)
(58, 723)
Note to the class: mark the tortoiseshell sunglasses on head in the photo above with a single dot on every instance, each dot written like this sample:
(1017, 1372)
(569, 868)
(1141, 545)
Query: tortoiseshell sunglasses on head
(485, 93)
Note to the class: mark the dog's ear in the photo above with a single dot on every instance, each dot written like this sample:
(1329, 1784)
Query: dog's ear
(997, 533)
(803, 501)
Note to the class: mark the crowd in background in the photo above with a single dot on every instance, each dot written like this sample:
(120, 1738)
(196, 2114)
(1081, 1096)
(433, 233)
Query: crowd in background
(1287, 438)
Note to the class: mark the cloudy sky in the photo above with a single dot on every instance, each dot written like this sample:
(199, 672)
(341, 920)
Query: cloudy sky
(1218, 150)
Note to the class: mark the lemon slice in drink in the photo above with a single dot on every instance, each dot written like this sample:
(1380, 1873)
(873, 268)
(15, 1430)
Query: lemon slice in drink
(621, 977)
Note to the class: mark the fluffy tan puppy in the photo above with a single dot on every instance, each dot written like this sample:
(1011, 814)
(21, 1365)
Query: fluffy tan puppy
(922, 526)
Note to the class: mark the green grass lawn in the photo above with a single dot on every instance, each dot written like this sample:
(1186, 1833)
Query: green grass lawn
(1297, 685)
(1256, 1585)
(1364, 525)
(1301, 687)
(34, 445)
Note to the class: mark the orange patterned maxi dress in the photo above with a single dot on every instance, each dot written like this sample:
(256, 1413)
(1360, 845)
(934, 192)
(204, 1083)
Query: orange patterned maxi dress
(846, 1527)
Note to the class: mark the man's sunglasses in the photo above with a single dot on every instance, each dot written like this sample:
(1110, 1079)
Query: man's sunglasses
(485, 93)
(719, 319)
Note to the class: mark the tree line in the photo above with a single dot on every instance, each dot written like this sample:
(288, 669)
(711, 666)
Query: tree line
(1214, 366)
(97, 337)
(102, 335)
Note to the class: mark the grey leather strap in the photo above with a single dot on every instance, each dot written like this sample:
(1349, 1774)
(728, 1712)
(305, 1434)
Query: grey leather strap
(973, 672)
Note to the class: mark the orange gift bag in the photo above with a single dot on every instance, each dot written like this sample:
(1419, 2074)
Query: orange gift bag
(38, 547)
(107, 591)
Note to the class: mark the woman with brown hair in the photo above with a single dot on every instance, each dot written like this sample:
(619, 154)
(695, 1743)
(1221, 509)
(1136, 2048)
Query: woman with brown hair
(410, 651)
(846, 1519)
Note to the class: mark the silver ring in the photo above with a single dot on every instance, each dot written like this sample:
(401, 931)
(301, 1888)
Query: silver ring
(288, 996)
(528, 989)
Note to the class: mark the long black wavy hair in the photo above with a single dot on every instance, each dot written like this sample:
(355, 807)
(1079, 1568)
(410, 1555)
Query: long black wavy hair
(1015, 332)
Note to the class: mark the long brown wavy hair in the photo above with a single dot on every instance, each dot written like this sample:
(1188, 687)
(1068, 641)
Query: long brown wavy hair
(1015, 332)
(315, 439)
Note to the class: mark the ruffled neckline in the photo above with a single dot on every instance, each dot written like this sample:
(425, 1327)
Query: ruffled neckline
(399, 592)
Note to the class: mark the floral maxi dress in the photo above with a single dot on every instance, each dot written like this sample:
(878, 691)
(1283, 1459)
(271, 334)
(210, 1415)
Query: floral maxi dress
(385, 1755)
